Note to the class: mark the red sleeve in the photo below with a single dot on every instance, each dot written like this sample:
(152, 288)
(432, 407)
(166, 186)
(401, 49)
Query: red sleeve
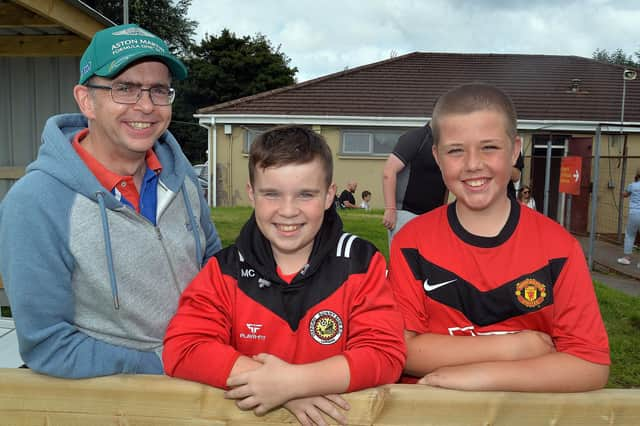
(197, 343)
(408, 294)
(376, 350)
(578, 328)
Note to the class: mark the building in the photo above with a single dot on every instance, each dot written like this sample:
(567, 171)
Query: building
(362, 111)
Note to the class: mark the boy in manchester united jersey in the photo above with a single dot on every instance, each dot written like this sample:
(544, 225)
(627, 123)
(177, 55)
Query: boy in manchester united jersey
(296, 311)
(494, 296)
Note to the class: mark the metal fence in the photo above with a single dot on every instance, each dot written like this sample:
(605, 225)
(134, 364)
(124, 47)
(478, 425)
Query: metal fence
(600, 210)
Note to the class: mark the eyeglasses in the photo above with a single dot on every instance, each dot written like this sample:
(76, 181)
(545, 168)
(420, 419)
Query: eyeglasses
(525, 192)
(123, 93)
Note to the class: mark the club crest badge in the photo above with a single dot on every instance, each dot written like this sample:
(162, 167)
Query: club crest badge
(531, 292)
(326, 327)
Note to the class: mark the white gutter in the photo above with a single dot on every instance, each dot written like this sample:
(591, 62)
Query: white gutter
(321, 120)
(212, 145)
(372, 121)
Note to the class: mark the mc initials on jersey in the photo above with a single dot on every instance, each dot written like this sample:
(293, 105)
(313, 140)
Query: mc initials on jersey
(531, 292)
(326, 327)
(247, 273)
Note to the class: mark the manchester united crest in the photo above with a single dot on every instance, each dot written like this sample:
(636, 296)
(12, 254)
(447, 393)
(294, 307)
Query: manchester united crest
(531, 292)
(326, 327)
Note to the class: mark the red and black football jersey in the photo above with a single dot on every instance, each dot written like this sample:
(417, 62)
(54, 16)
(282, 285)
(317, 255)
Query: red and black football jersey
(532, 276)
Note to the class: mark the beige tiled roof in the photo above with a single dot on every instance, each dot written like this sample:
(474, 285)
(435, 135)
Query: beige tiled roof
(408, 85)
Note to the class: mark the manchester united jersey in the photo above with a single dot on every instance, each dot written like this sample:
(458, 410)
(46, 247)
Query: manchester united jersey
(532, 276)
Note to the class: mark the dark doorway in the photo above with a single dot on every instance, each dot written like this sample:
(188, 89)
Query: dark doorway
(538, 164)
(581, 147)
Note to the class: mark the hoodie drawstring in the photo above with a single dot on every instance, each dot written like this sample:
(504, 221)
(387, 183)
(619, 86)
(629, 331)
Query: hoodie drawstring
(107, 244)
(194, 225)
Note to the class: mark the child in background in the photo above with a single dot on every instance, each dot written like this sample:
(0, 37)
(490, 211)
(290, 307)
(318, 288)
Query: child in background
(366, 198)
(297, 310)
(494, 296)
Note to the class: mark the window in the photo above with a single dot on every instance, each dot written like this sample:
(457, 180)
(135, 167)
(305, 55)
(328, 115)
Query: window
(356, 143)
(251, 133)
(370, 142)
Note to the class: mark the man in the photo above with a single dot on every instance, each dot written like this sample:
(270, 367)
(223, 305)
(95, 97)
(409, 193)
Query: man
(516, 174)
(109, 225)
(411, 180)
(347, 199)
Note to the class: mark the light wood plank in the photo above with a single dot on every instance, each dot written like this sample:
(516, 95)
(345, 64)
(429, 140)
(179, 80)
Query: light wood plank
(29, 399)
(422, 405)
(130, 397)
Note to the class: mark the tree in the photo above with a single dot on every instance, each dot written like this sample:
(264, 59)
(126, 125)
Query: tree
(165, 18)
(222, 68)
(616, 57)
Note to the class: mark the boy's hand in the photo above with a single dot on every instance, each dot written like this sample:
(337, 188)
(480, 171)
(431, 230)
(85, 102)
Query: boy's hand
(530, 344)
(309, 411)
(461, 377)
(265, 388)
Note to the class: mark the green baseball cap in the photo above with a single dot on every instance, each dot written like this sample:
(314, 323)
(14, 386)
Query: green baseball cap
(113, 49)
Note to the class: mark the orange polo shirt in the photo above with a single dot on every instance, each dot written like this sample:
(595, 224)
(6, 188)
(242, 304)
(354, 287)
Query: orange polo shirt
(113, 181)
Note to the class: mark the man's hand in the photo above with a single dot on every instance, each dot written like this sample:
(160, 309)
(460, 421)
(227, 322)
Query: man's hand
(389, 219)
(265, 388)
(309, 411)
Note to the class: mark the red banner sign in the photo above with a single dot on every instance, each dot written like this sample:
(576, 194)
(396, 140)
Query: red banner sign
(570, 175)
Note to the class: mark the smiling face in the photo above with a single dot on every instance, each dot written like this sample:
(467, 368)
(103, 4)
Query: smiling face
(126, 131)
(476, 156)
(289, 202)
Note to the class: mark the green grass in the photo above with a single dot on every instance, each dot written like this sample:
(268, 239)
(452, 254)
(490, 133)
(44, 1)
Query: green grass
(621, 313)
(367, 225)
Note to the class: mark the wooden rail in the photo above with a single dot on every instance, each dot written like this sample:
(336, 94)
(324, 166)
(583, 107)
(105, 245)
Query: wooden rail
(27, 398)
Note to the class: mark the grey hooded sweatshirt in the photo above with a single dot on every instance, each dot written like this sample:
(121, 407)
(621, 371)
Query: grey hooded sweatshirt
(91, 283)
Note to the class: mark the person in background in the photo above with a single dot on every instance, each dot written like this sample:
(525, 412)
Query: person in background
(347, 199)
(633, 221)
(109, 224)
(297, 310)
(493, 294)
(366, 198)
(411, 180)
(516, 174)
(526, 198)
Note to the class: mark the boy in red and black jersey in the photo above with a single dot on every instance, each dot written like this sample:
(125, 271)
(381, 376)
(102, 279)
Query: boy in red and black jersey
(494, 297)
(296, 311)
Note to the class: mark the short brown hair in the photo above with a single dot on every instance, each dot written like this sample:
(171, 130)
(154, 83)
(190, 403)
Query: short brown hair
(473, 97)
(285, 145)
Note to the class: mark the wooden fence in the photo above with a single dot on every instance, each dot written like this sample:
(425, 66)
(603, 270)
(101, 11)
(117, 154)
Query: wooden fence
(27, 399)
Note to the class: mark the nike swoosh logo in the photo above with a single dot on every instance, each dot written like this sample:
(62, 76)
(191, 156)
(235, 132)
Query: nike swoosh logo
(428, 287)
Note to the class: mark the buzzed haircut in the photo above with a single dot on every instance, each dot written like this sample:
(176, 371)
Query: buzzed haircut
(284, 145)
(473, 97)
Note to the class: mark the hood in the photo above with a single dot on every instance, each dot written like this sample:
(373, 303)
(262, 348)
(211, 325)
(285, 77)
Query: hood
(255, 249)
(58, 158)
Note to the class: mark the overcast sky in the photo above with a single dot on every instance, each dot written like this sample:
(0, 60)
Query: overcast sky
(325, 36)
